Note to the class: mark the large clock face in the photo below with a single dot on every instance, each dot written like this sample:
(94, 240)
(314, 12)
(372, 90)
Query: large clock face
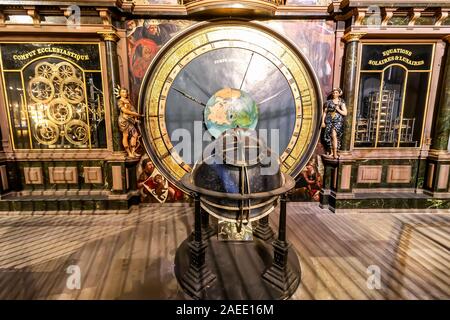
(235, 57)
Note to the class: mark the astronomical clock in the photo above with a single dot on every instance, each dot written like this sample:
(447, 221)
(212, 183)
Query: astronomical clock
(191, 88)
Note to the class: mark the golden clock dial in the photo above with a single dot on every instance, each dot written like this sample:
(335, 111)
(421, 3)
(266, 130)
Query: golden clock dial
(216, 57)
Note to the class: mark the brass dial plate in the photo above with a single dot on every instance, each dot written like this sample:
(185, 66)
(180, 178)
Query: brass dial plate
(186, 60)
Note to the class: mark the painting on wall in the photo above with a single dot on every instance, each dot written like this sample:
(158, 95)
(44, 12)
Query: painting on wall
(145, 38)
(315, 40)
(310, 180)
(153, 186)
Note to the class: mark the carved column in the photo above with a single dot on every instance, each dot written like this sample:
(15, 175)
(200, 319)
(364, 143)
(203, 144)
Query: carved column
(123, 172)
(3, 172)
(349, 83)
(442, 125)
(110, 38)
(437, 179)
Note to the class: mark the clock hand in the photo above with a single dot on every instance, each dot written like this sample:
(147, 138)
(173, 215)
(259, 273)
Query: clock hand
(189, 97)
(194, 81)
(272, 97)
(246, 70)
(260, 83)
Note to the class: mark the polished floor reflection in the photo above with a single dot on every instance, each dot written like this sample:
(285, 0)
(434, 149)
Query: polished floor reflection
(132, 256)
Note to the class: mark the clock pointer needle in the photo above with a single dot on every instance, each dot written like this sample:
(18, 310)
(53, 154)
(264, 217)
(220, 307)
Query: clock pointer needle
(272, 97)
(189, 97)
(246, 70)
(195, 82)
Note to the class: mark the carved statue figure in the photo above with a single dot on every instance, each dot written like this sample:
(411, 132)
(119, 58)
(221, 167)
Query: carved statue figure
(333, 116)
(128, 120)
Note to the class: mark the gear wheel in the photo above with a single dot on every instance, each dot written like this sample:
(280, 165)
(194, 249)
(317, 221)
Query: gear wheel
(77, 132)
(41, 90)
(72, 90)
(46, 132)
(45, 70)
(60, 111)
(65, 70)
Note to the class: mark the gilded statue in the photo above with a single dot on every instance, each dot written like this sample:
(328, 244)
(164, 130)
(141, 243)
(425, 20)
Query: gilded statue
(128, 123)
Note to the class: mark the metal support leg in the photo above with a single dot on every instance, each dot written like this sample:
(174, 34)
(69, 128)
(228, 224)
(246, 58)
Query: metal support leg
(279, 274)
(198, 277)
(263, 231)
(207, 230)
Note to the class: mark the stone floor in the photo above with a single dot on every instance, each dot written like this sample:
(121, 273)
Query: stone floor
(132, 256)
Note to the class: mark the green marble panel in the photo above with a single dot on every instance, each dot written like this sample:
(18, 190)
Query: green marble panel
(4, 205)
(392, 203)
(51, 205)
(64, 205)
(113, 81)
(385, 163)
(442, 122)
(17, 205)
(422, 170)
(349, 76)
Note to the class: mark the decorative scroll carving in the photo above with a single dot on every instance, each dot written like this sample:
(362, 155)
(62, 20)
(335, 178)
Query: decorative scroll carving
(34, 14)
(413, 16)
(353, 36)
(440, 17)
(109, 35)
(387, 15)
(359, 16)
(106, 16)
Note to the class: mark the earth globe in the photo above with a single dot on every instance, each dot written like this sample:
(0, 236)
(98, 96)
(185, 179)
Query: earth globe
(230, 108)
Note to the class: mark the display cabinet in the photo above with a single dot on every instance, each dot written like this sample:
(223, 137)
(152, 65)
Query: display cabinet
(54, 95)
(392, 95)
